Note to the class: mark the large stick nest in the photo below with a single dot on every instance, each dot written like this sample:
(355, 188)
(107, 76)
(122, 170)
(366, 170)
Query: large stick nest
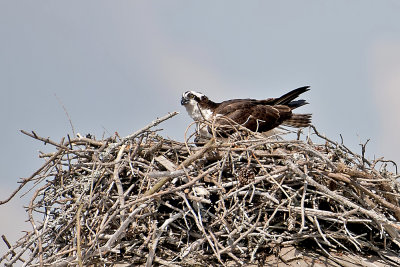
(149, 200)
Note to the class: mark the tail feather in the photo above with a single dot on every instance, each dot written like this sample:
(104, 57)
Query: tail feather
(289, 97)
(297, 103)
(298, 120)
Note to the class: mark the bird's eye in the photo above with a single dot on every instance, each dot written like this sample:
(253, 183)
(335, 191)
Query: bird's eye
(191, 96)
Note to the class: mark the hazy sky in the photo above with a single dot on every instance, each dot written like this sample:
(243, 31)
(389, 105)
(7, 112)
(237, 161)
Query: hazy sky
(117, 65)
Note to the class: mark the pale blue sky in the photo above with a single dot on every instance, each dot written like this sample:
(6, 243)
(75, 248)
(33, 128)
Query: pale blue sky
(117, 65)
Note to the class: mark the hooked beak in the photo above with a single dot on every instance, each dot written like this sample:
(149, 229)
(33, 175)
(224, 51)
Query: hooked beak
(184, 101)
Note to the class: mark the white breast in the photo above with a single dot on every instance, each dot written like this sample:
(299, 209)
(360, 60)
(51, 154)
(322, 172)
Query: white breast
(196, 113)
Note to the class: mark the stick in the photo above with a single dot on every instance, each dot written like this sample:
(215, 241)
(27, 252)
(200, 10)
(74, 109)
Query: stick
(390, 227)
(144, 129)
(78, 235)
(160, 231)
(184, 164)
(26, 180)
(118, 181)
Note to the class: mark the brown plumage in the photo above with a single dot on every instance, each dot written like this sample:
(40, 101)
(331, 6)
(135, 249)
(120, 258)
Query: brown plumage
(255, 115)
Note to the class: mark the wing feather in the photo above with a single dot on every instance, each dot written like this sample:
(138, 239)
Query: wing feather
(255, 117)
(261, 115)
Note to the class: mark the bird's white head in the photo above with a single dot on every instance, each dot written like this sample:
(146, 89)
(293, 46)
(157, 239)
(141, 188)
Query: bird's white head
(192, 98)
(193, 101)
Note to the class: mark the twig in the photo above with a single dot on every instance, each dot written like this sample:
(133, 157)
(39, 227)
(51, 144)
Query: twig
(78, 235)
(116, 199)
(144, 129)
(160, 231)
(118, 181)
(302, 207)
(66, 113)
(26, 180)
(186, 163)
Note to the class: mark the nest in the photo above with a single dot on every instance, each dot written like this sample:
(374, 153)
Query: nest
(148, 200)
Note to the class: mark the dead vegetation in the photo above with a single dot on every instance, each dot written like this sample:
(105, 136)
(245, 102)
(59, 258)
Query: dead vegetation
(148, 200)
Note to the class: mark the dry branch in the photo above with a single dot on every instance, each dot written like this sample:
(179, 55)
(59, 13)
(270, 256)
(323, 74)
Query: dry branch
(146, 200)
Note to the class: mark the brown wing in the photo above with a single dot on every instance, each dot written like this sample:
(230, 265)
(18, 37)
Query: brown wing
(255, 117)
(263, 115)
(286, 99)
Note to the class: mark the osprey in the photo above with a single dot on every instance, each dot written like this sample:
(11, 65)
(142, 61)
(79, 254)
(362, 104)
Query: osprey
(256, 115)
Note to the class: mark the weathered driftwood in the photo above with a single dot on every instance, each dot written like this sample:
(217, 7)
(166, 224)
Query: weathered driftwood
(149, 200)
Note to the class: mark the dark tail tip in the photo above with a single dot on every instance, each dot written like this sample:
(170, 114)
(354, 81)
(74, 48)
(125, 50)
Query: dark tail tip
(287, 98)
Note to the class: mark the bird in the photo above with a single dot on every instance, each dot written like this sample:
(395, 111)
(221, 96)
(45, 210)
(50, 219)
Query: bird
(255, 115)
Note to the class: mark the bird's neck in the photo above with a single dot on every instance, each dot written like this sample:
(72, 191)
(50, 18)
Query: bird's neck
(202, 110)
(208, 105)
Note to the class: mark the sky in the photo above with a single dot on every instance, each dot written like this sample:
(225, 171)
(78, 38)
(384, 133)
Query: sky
(117, 65)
